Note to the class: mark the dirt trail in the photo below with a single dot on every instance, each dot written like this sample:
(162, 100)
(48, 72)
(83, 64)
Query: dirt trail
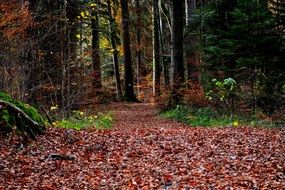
(144, 151)
(139, 115)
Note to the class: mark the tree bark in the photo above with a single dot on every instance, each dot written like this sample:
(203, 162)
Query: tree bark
(129, 88)
(191, 55)
(156, 50)
(95, 51)
(138, 49)
(165, 58)
(115, 51)
(177, 20)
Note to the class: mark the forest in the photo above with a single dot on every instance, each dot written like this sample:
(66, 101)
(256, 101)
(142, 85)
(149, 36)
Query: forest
(142, 94)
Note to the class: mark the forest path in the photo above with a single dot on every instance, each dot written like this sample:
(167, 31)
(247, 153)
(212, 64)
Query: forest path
(139, 115)
(144, 151)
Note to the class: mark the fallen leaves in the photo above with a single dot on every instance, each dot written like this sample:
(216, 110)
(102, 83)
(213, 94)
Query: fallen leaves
(165, 155)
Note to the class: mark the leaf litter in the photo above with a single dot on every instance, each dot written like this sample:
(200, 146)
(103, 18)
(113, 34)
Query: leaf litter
(144, 151)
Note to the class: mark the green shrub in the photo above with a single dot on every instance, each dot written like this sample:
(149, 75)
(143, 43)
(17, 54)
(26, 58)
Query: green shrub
(79, 121)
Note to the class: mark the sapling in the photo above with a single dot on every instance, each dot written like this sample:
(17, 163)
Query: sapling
(223, 92)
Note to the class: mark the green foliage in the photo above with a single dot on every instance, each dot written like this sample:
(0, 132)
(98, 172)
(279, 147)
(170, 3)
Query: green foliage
(210, 117)
(222, 91)
(241, 40)
(6, 120)
(29, 110)
(12, 119)
(205, 117)
(6, 97)
(79, 121)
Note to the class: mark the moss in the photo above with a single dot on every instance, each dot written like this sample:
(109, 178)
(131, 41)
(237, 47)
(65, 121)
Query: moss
(6, 118)
(6, 97)
(29, 110)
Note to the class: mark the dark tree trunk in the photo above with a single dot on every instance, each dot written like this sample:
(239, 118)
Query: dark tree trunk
(156, 50)
(177, 19)
(72, 11)
(138, 49)
(129, 88)
(191, 55)
(115, 51)
(95, 51)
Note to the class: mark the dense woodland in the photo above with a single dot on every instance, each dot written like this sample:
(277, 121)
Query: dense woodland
(112, 64)
(72, 53)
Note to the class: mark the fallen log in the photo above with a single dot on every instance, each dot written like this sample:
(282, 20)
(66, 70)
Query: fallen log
(23, 121)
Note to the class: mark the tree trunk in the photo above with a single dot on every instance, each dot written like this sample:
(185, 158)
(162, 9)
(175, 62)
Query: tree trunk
(191, 55)
(138, 49)
(156, 50)
(165, 58)
(129, 88)
(95, 51)
(115, 51)
(177, 20)
(72, 11)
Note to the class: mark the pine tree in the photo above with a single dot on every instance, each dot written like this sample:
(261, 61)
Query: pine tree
(242, 40)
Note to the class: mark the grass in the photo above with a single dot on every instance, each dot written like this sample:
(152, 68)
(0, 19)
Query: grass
(210, 117)
(78, 121)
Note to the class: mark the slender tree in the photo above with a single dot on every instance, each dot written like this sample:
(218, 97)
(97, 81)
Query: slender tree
(164, 23)
(138, 49)
(129, 88)
(156, 49)
(95, 49)
(69, 49)
(115, 51)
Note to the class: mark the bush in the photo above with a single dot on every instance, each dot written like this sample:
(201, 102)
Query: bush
(79, 121)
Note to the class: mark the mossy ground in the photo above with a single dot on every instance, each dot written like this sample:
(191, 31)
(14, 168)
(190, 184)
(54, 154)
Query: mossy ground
(7, 119)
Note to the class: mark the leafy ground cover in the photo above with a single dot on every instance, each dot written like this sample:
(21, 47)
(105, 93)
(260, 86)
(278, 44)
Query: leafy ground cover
(81, 121)
(143, 151)
(208, 117)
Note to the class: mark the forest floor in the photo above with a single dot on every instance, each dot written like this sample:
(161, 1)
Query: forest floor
(144, 151)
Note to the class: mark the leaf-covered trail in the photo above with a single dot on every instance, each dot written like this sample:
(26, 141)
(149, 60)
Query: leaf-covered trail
(146, 152)
(135, 116)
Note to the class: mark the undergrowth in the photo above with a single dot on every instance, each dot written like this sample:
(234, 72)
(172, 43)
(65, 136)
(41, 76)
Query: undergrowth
(79, 121)
(210, 117)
